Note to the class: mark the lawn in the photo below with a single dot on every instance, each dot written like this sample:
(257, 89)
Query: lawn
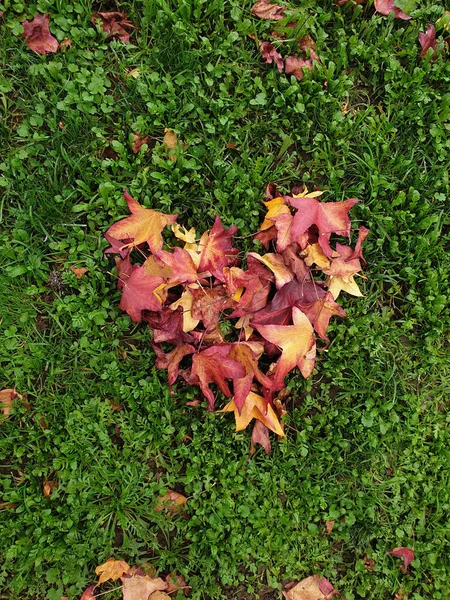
(367, 436)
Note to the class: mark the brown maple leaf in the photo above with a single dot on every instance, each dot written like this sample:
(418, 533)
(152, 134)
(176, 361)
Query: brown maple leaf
(138, 141)
(79, 271)
(177, 582)
(263, 9)
(260, 435)
(170, 142)
(115, 24)
(7, 397)
(296, 66)
(139, 587)
(145, 225)
(172, 501)
(311, 588)
(48, 488)
(171, 360)
(37, 35)
(112, 569)
(208, 305)
(298, 345)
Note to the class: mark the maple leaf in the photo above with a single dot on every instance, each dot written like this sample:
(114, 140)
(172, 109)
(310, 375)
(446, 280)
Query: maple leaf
(139, 587)
(48, 487)
(181, 264)
(145, 225)
(296, 292)
(172, 501)
(117, 246)
(311, 588)
(320, 313)
(296, 66)
(428, 40)
(171, 360)
(255, 407)
(260, 435)
(114, 24)
(271, 55)
(385, 7)
(406, 553)
(217, 251)
(263, 9)
(247, 354)
(177, 582)
(124, 269)
(297, 343)
(341, 263)
(7, 397)
(185, 302)
(296, 264)
(79, 271)
(314, 255)
(329, 217)
(363, 232)
(308, 45)
(209, 303)
(138, 141)
(276, 264)
(275, 207)
(213, 366)
(187, 236)
(111, 569)
(37, 35)
(156, 268)
(139, 294)
(337, 284)
(257, 284)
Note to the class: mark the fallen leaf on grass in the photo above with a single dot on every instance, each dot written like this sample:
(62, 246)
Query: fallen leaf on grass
(112, 569)
(428, 40)
(265, 10)
(307, 44)
(369, 563)
(48, 487)
(7, 397)
(138, 141)
(444, 21)
(159, 596)
(114, 24)
(255, 407)
(88, 593)
(385, 7)
(311, 588)
(170, 141)
(271, 55)
(295, 66)
(139, 587)
(37, 35)
(329, 526)
(172, 502)
(406, 553)
(177, 582)
(79, 271)
(66, 43)
(6, 505)
(115, 405)
(260, 435)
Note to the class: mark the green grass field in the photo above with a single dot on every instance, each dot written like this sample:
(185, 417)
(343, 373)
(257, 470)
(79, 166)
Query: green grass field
(367, 440)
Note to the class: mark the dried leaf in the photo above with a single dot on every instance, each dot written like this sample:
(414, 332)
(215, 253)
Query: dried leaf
(89, 593)
(271, 55)
(115, 405)
(138, 141)
(260, 435)
(255, 407)
(295, 66)
(406, 553)
(7, 505)
(159, 596)
(48, 487)
(37, 35)
(177, 582)
(263, 9)
(79, 271)
(7, 397)
(172, 502)
(170, 141)
(115, 24)
(311, 588)
(329, 525)
(112, 569)
(139, 587)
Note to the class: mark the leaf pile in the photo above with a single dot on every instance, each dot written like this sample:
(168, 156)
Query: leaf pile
(240, 329)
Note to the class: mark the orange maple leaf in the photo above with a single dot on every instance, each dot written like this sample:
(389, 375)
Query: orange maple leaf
(144, 225)
(297, 342)
(111, 569)
(255, 407)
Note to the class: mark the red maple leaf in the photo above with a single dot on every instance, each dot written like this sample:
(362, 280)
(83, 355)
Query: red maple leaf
(37, 35)
(329, 217)
(214, 366)
(217, 250)
(138, 294)
(428, 40)
(171, 360)
(385, 7)
(320, 313)
(406, 553)
(271, 55)
(247, 354)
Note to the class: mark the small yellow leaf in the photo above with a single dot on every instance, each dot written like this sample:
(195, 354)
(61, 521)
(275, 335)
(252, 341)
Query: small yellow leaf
(337, 284)
(314, 255)
(170, 141)
(111, 569)
(79, 271)
(254, 408)
(275, 207)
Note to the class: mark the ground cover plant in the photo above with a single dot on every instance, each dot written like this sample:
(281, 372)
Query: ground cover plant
(191, 119)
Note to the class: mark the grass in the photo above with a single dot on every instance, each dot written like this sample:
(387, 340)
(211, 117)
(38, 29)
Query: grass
(368, 437)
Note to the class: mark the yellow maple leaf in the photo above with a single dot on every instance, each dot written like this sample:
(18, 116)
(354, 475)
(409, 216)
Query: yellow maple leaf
(111, 569)
(186, 301)
(275, 207)
(276, 264)
(314, 255)
(336, 284)
(254, 408)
